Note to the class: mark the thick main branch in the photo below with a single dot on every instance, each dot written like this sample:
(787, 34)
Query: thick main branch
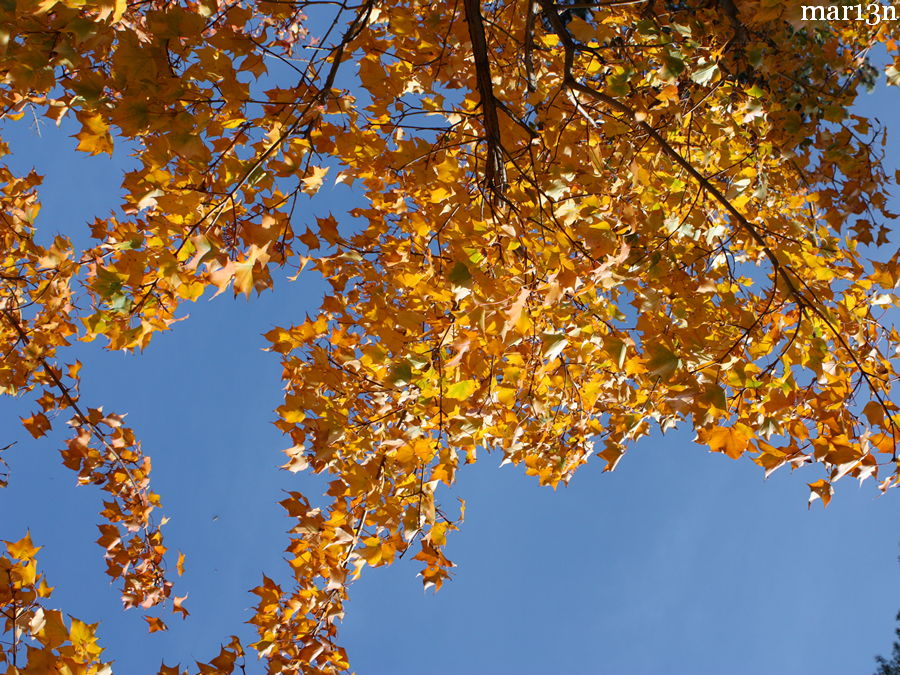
(495, 171)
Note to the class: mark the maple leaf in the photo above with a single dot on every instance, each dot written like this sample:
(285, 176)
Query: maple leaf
(297, 460)
(820, 489)
(515, 313)
(23, 549)
(94, 136)
(178, 606)
(83, 638)
(461, 390)
(729, 440)
(37, 425)
(155, 624)
(313, 181)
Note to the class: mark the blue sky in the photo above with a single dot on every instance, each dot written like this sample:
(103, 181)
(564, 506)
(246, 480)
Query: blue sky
(679, 562)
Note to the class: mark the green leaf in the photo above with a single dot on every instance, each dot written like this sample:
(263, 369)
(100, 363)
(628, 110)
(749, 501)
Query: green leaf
(475, 255)
(108, 284)
(663, 362)
(705, 74)
(401, 373)
(554, 343)
(120, 303)
(461, 390)
(673, 65)
(460, 275)
(715, 395)
(756, 92)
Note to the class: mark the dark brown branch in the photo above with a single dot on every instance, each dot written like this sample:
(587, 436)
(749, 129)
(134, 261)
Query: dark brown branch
(495, 171)
(731, 11)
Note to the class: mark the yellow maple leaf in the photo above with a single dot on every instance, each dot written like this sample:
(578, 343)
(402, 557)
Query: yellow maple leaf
(23, 549)
(83, 638)
(50, 629)
(94, 136)
(730, 440)
(820, 489)
(313, 181)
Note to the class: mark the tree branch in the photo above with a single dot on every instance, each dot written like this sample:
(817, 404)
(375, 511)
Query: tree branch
(495, 171)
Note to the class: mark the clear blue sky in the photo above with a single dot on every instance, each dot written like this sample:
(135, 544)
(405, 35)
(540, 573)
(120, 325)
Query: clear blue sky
(680, 562)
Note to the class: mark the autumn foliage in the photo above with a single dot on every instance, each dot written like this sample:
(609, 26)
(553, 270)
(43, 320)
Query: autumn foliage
(580, 223)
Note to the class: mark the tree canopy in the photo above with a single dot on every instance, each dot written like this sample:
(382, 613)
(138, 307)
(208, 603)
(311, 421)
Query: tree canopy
(891, 667)
(581, 222)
